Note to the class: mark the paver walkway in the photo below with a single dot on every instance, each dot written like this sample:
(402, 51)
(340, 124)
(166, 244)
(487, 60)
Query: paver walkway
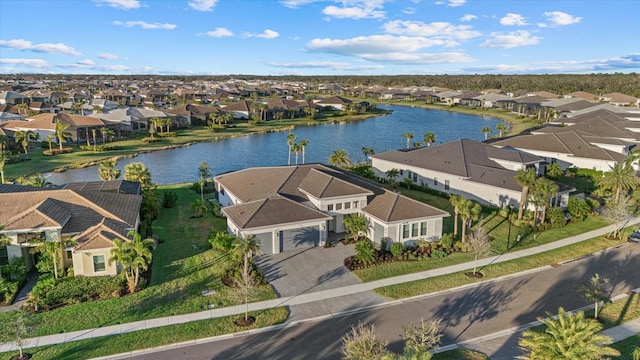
(303, 298)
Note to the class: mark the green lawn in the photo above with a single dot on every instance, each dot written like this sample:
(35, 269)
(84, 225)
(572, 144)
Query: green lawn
(626, 347)
(460, 354)
(183, 266)
(430, 285)
(143, 339)
(583, 184)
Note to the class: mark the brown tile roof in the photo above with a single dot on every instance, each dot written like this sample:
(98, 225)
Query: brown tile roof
(321, 185)
(392, 207)
(255, 183)
(271, 211)
(100, 236)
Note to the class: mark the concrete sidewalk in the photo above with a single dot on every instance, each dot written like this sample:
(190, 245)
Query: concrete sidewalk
(307, 297)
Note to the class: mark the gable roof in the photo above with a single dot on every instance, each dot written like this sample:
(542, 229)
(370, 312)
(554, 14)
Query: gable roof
(271, 211)
(392, 207)
(322, 185)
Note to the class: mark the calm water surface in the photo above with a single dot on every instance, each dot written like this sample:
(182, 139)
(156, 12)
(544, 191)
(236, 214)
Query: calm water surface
(382, 133)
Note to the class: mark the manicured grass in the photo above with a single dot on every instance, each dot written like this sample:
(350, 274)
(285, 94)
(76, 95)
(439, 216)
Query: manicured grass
(448, 281)
(497, 228)
(626, 347)
(183, 265)
(143, 339)
(39, 163)
(460, 354)
(583, 184)
(620, 311)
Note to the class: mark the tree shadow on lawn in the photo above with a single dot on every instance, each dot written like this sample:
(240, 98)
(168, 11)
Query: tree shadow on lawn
(619, 265)
(73, 350)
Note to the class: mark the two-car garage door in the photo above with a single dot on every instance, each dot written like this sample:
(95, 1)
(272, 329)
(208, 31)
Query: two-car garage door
(290, 239)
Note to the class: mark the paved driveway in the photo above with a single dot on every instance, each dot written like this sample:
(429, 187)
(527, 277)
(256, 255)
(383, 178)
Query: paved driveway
(301, 271)
(314, 269)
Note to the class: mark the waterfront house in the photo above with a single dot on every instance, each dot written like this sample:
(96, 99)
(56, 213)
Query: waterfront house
(290, 207)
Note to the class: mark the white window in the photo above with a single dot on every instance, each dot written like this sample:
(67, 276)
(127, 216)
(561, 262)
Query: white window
(98, 263)
(339, 206)
(423, 228)
(347, 205)
(330, 207)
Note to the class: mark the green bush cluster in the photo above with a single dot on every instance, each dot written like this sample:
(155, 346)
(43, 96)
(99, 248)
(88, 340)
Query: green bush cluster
(396, 249)
(8, 291)
(221, 241)
(94, 148)
(573, 171)
(57, 151)
(49, 292)
(169, 198)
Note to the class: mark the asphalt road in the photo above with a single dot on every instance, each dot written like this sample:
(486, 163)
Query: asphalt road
(465, 314)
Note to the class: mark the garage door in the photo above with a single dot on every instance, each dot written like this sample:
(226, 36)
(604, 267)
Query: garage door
(266, 243)
(299, 238)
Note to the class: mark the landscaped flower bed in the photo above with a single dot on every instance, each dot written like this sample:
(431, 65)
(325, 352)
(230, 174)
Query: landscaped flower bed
(421, 252)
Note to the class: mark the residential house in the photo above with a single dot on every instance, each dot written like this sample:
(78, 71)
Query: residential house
(80, 127)
(333, 102)
(619, 99)
(12, 98)
(465, 167)
(91, 215)
(290, 207)
(240, 109)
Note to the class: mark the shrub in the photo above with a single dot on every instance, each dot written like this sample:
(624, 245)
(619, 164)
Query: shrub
(460, 246)
(222, 241)
(578, 208)
(384, 244)
(446, 241)
(15, 270)
(396, 249)
(147, 140)
(365, 251)
(206, 189)
(8, 291)
(97, 148)
(216, 208)
(169, 198)
(57, 151)
(437, 253)
(555, 215)
(47, 292)
(168, 134)
(593, 203)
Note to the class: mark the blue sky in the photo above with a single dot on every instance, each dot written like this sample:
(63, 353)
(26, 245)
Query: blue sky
(309, 37)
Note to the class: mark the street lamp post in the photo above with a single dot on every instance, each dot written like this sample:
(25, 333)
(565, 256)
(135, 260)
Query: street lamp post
(509, 232)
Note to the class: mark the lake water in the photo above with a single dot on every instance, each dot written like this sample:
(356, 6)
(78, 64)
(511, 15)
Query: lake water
(382, 133)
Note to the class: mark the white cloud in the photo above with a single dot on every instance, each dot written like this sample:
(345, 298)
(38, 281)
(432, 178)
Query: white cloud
(203, 5)
(560, 18)
(512, 19)
(343, 66)
(219, 32)
(49, 48)
(437, 30)
(573, 66)
(456, 3)
(119, 4)
(25, 62)
(388, 48)
(409, 11)
(87, 62)
(108, 56)
(511, 40)
(145, 25)
(468, 17)
(267, 34)
(294, 4)
(354, 12)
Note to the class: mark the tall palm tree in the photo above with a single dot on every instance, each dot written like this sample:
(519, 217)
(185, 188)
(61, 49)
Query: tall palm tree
(140, 256)
(97, 109)
(526, 179)
(502, 128)
(620, 177)
(297, 149)
(367, 151)
(408, 136)
(61, 132)
(469, 211)
(303, 146)
(429, 138)
(121, 254)
(392, 175)
(542, 192)
(4, 241)
(3, 161)
(456, 201)
(24, 137)
(50, 139)
(340, 158)
(94, 133)
(245, 248)
(486, 131)
(104, 131)
(167, 122)
(291, 139)
(108, 170)
(137, 171)
(570, 336)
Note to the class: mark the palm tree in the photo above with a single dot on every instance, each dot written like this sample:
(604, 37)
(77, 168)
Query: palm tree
(486, 131)
(40, 181)
(104, 131)
(245, 247)
(408, 136)
(108, 170)
(121, 254)
(61, 132)
(502, 128)
(94, 132)
(367, 151)
(621, 177)
(542, 191)
(198, 207)
(469, 211)
(167, 122)
(355, 224)
(303, 145)
(204, 171)
(570, 336)
(340, 158)
(526, 179)
(3, 160)
(291, 139)
(456, 202)
(22, 107)
(52, 248)
(97, 109)
(392, 175)
(297, 149)
(23, 138)
(139, 256)
(50, 138)
(137, 172)
(429, 138)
